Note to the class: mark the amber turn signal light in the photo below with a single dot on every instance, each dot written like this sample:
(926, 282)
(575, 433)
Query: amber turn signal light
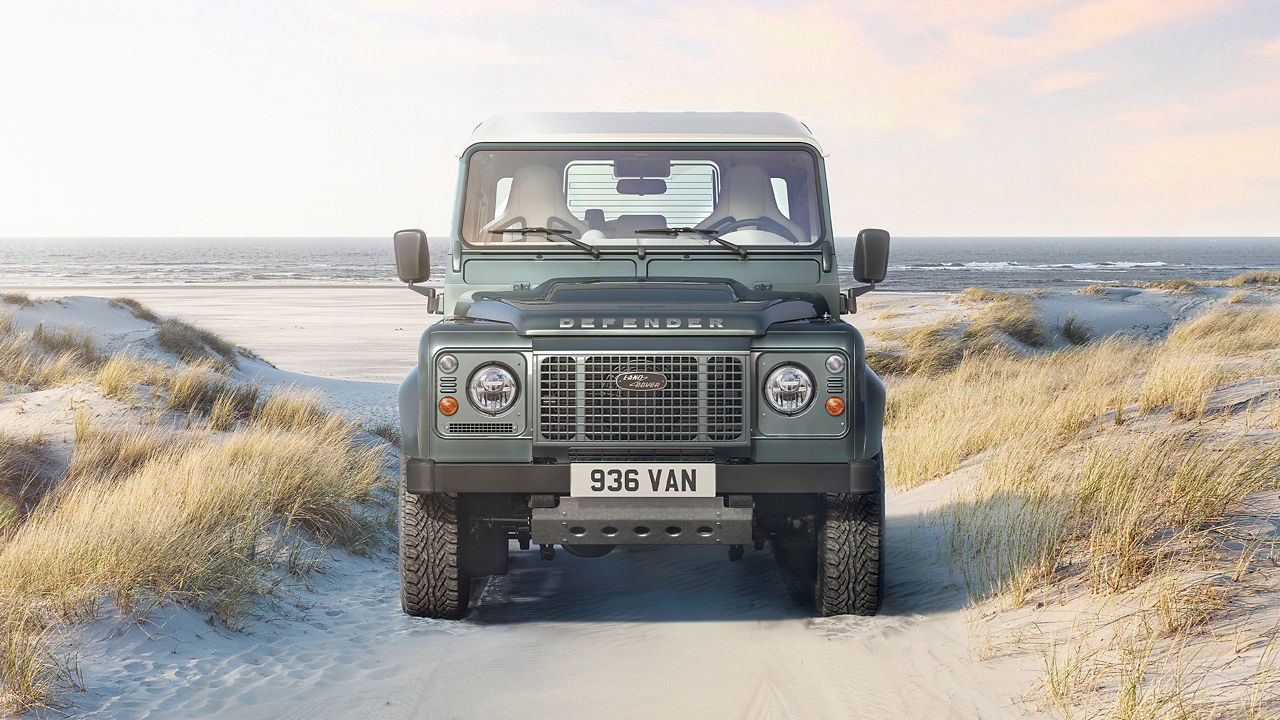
(835, 406)
(448, 405)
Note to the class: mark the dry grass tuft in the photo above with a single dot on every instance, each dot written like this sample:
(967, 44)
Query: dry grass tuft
(108, 454)
(1075, 330)
(74, 342)
(977, 295)
(140, 311)
(23, 478)
(1096, 290)
(23, 364)
(290, 408)
(20, 299)
(32, 674)
(194, 344)
(198, 387)
(187, 520)
(1181, 608)
(1237, 297)
(934, 423)
(194, 388)
(1002, 327)
(122, 373)
(1111, 517)
(1261, 278)
(1014, 316)
(1174, 286)
(1228, 332)
(147, 516)
(1181, 381)
(388, 431)
(925, 350)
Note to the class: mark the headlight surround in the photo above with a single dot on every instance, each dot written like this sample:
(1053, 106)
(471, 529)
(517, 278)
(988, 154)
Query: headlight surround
(789, 389)
(492, 389)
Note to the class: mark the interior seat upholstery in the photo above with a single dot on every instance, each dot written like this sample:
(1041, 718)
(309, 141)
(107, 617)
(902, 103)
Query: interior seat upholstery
(747, 194)
(536, 200)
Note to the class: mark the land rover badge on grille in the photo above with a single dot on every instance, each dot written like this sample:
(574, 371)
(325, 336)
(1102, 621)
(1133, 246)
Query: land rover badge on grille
(640, 381)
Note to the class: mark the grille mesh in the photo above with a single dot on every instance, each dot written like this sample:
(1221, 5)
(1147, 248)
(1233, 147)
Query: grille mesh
(480, 428)
(579, 399)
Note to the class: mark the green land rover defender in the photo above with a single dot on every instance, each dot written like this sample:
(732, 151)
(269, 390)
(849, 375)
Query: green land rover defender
(641, 344)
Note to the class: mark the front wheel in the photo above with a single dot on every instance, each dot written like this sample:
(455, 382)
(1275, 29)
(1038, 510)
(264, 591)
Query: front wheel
(432, 581)
(850, 562)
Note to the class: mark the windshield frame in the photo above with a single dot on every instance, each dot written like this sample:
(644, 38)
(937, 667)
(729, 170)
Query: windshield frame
(819, 176)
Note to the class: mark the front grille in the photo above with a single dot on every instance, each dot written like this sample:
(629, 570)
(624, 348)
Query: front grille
(481, 428)
(703, 401)
(641, 455)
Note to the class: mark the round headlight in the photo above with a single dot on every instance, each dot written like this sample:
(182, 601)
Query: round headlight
(788, 389)
(492, 389)
(835, 364)
(447, 363)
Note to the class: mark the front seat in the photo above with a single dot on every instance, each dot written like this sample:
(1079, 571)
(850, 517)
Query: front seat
(748, 194)
(536, 200)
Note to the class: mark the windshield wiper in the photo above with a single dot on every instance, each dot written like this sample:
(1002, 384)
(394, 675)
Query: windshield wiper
(552, 234)
(713, 234)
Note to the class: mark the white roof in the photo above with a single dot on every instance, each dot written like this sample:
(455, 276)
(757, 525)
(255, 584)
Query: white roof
(667, 127)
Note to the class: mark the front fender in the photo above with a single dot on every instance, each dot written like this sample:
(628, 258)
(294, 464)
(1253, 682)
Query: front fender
(874, 397)
(410, 407)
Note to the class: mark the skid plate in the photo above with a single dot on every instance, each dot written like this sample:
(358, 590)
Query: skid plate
(642, 521)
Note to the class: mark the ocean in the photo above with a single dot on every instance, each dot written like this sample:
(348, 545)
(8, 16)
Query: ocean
(916, 264)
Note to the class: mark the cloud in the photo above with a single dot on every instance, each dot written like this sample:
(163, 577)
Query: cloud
(1189, 183)
(1066, 81)
(448, 10)
(1271, 49)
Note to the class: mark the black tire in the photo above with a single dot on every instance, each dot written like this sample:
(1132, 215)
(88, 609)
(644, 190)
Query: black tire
(432, 581)
(850, 562)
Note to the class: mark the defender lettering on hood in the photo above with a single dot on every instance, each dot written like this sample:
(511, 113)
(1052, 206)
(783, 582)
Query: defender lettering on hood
(630, 323)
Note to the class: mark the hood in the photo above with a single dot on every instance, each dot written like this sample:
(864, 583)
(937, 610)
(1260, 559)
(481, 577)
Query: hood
(637, 307)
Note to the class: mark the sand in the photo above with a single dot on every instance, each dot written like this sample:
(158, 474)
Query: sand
(644, 632)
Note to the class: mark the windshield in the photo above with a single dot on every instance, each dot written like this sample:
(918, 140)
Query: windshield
(723, 198)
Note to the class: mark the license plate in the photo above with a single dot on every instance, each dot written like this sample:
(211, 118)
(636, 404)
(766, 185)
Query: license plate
(642, 479)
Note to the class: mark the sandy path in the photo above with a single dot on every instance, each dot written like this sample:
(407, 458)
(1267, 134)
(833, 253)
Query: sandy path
(642, 633)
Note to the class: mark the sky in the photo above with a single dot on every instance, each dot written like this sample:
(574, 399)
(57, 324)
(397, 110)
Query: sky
(346, 117)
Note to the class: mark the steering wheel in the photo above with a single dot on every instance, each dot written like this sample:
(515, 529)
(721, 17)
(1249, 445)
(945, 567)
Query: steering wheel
(730, 224)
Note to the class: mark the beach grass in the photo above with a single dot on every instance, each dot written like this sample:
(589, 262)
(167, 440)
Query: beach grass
(193, 344)
(1259, 278)
(122, 373)
(24, 362)
(20, 299)
(71, 341)
(1175, 286)
(149, 516)
(1075, 330)
(1066, 490)
(388, 431)
(140, 311)
(1229, 332)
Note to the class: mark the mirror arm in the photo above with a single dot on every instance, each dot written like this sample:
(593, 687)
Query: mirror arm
(851, 296)
(433, 300)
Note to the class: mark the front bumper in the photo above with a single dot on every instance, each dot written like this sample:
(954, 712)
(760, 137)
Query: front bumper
(424, 477)
(642, 521)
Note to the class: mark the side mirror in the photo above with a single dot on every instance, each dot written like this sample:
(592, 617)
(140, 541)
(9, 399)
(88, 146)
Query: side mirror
(871, 256)
(413, 257)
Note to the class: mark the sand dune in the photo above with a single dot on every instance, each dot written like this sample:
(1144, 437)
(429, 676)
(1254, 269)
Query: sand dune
(643, 632)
